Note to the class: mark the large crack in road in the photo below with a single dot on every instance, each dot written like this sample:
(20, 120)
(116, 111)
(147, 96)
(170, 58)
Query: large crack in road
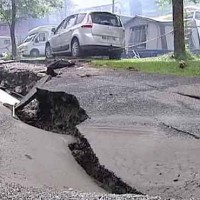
(146, 157)
(60, 112)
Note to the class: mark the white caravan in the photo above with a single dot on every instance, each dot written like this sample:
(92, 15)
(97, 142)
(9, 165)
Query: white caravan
(5, 45)
(34, 44)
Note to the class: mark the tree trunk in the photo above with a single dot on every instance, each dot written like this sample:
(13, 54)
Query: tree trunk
(12, 30)
(179, 35)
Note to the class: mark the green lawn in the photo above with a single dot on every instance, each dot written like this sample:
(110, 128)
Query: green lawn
(152, 65)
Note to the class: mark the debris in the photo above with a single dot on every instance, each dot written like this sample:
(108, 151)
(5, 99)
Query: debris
(182, 64)
(31, 95)
(17, 79)
(87, 75)
(132, 69)
(59, 109)
(28, 156)
(58, 64)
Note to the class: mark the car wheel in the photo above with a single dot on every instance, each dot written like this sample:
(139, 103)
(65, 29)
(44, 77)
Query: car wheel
(48, 51)
(34, 53)
(115, 55)
(75, 48)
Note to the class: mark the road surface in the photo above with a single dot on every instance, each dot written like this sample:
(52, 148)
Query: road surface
(142, 127)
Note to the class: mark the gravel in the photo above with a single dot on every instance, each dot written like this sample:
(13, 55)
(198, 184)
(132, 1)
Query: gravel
(18, 192)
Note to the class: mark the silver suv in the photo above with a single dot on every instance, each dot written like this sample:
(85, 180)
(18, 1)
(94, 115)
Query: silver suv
(93, 33)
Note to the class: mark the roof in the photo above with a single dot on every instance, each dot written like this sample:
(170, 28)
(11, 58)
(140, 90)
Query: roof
(161, 19)
(47, 27)
(5, 37)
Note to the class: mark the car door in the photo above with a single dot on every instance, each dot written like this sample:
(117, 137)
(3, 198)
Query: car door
(55, 42)
(66, 33)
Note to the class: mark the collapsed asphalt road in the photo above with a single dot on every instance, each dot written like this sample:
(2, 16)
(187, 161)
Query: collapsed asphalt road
(141, 128)
(27, 145)
(147, 112)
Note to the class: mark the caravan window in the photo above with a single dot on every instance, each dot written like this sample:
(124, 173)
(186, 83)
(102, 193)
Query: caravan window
(138, 36)
(7, 42)
(189, 15)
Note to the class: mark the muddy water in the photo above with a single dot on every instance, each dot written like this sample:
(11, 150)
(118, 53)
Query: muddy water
(148, 159)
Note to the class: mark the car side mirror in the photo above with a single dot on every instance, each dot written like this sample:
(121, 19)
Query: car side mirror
(53, 30)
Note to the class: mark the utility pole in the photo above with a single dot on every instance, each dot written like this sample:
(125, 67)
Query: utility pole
(113, 6)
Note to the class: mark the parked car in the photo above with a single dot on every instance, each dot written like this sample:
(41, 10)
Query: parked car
(34, 44)
(93, 33)
(5, 45)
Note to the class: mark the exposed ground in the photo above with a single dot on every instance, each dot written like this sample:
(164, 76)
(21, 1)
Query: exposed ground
(143, 127)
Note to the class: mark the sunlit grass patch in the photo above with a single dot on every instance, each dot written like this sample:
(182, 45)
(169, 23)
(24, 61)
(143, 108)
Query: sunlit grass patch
(161, 65)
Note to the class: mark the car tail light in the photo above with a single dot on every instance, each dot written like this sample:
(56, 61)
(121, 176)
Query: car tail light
(87, 26)
(88, 23)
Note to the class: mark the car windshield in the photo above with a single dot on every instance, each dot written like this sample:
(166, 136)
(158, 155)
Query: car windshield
(30, 37)
(106, 19)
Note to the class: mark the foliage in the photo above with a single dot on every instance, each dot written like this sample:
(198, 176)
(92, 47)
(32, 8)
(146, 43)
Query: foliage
(6, 56)
(12, 11)
(167, 2)
(27, 8)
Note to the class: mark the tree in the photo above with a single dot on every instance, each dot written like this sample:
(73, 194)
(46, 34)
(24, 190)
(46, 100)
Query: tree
(179, 33)
(178, 25)
(12, 11)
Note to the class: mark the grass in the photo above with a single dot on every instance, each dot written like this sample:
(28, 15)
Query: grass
(159, 65)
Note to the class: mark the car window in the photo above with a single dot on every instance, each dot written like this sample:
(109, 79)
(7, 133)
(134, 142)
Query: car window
(41, 37)
(60, 27)
(80, 18)
(30, 37)
(71, 21)
(106, 19)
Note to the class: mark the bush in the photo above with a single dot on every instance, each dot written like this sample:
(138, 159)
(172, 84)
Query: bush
(6, 56)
